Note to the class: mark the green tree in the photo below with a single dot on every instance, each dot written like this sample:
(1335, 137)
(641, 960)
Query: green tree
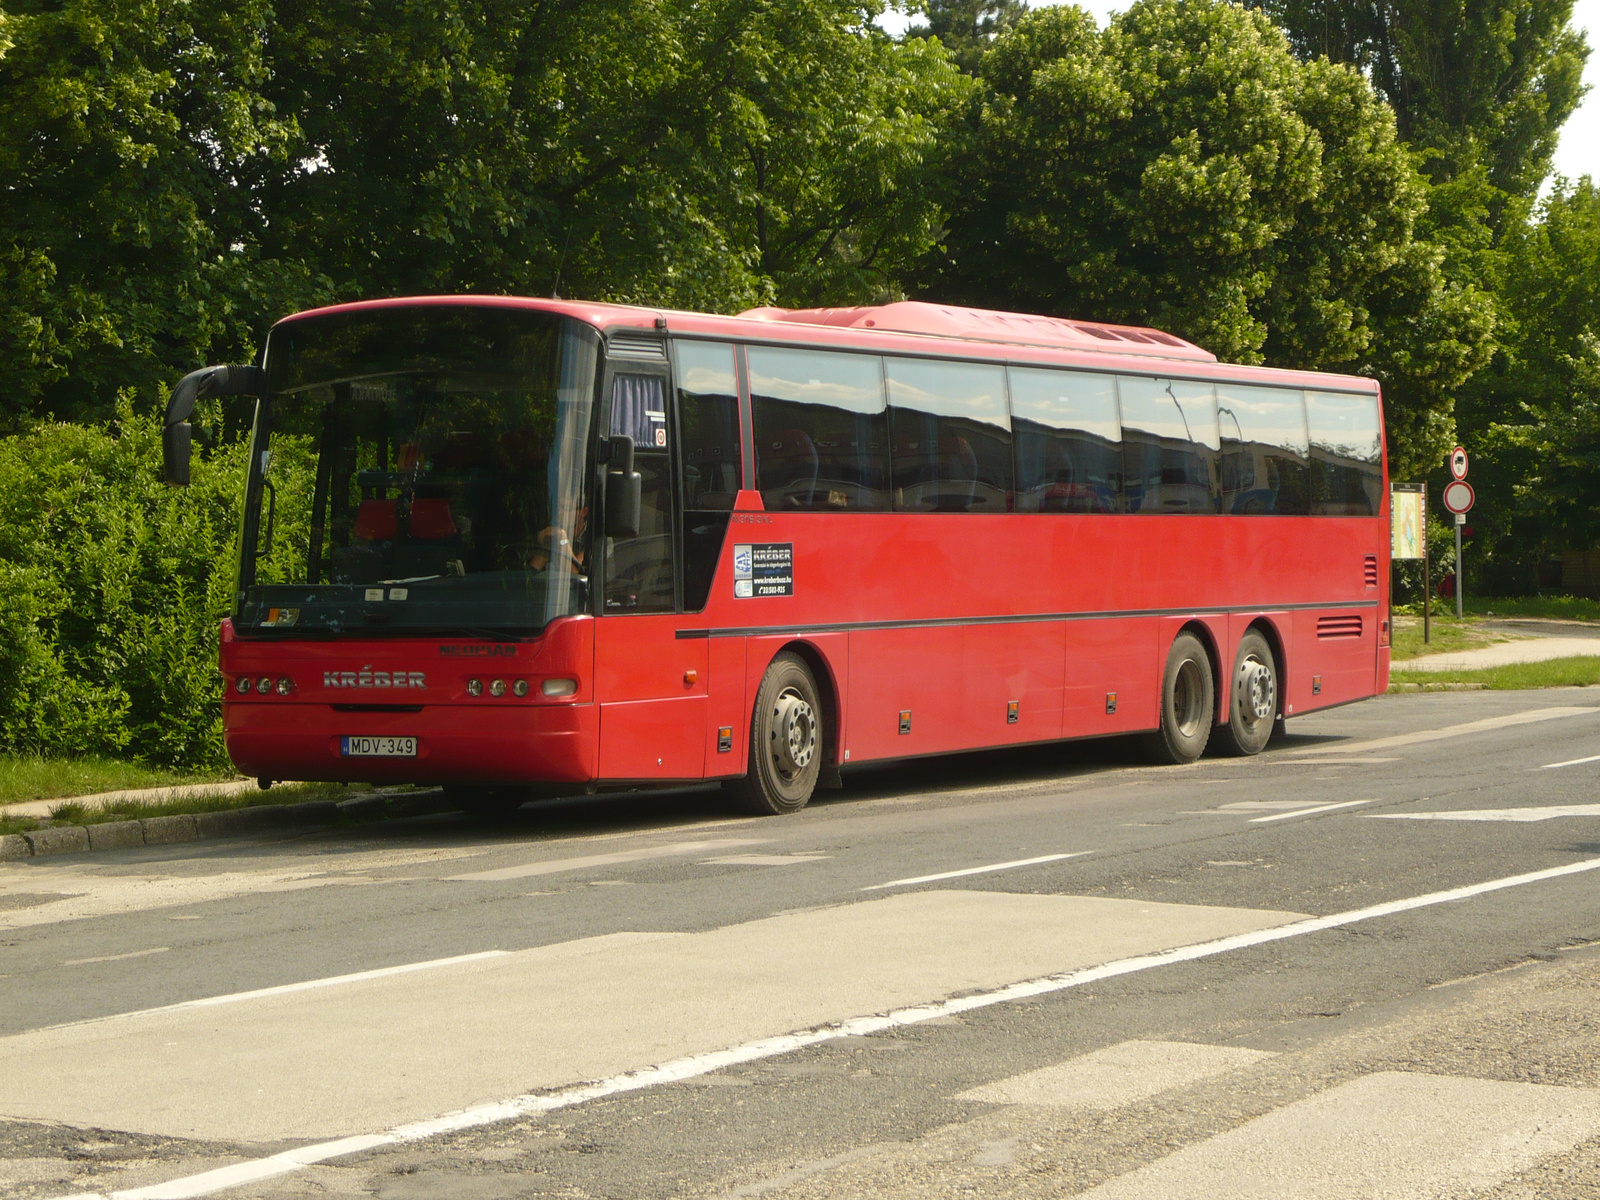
(1532, 418)
(178, 175)
(705, 153)
(967, 27)
(1471, 81)
(1182, 169)
(131, 132)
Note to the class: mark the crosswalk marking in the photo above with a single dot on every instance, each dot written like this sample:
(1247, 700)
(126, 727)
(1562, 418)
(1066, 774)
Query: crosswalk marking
(1117, 1075)
(1389, 1136)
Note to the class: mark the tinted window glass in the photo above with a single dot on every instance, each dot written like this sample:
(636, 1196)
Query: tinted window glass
(708, 423)
(821, 429)
(1266, 465)
(1346, 454)
(1169, 445)
(708, 440)
(639, 573)
(1069, 452)
(951, 444)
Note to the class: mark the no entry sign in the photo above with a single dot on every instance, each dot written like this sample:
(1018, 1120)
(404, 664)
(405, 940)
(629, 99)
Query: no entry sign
(1458, 496)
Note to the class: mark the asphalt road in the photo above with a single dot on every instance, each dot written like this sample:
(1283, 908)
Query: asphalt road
(834, 1022)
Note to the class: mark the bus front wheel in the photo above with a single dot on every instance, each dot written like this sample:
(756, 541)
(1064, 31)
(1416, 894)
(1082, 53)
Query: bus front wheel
(785, 741)
(1252, 699)
(1188, 704)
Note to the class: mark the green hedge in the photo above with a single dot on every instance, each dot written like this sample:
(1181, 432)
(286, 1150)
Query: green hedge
(111, 588)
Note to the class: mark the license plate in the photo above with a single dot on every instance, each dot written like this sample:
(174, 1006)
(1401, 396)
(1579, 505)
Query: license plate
(378, 747)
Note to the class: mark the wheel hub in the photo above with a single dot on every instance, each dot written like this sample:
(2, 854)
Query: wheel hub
(794, 733)
(1258, 691)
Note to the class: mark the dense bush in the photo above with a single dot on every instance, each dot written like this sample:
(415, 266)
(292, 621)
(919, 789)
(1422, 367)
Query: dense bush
(111, 588)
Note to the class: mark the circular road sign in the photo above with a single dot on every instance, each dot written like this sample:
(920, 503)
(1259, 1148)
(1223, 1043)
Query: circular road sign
(1458, 496)
(1458, 465)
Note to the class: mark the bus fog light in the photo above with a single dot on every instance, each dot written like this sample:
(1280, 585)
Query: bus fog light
(497, 688)
(474, 687)
(559, 687)
(520, 687)
(263, 685)
(243, 686)
(285, 686)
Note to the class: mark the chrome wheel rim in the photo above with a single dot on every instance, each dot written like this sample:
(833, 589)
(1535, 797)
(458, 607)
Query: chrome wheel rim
(794, 733)
(1255, 691)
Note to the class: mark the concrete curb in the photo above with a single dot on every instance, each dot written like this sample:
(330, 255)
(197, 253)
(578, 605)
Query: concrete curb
(166, 831)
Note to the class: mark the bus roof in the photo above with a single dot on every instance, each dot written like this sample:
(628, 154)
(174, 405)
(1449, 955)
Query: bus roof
(987, 325)
(967, 332)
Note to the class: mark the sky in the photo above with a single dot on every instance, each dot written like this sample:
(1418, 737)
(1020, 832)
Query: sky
(1579, 150)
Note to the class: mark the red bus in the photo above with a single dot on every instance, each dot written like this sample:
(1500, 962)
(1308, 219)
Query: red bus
(520, 545)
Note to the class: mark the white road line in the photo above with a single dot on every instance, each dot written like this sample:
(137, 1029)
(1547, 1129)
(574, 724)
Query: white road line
(1571, 762)
(79, 962)
(284, 989)
(703, 1064)
(1548, 813)
(555, 866)
(1005, 866)
(1306, 812)
(1449, 731)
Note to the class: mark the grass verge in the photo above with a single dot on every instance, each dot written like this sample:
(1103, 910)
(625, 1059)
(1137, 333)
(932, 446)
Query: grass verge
(26, 777)
(1567, 608)
(73, 812)
(1582, 671)
(1446, 634)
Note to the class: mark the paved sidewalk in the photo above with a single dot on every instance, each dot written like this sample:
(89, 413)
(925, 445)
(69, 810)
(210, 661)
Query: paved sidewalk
(1523, 650)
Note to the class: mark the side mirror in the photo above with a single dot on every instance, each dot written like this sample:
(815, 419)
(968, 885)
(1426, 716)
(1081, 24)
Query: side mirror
(624, 490)
(192, 388)
(175, 443)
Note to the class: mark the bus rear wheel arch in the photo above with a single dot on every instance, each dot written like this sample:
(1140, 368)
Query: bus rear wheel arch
(1188, 703)
(786, 740)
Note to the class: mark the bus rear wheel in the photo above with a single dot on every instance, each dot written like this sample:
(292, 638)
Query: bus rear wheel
(785, 741)
(1188, 704)
(1252, 699)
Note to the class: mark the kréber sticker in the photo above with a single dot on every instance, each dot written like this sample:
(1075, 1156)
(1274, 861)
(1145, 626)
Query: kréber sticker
(763, 569)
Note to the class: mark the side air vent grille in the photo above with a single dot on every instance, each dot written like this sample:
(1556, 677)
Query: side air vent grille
(1370, 570)
(636, 346)
(1339, 627)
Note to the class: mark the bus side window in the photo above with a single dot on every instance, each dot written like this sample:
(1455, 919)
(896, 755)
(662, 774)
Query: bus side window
(1169, 445)
(1266, 464)
(708, 457)
(950, 439)
(1069, 441)
(821, 430)
(639, 570)
(1346, 454)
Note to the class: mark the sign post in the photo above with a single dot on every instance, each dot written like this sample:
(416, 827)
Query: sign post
(1408, 533)
(1458, 498)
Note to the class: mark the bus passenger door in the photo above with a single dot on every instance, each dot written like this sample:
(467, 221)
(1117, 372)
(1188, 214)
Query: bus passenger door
(650, 684)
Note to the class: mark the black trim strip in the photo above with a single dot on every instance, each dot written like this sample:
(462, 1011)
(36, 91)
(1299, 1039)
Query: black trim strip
(1022, 619)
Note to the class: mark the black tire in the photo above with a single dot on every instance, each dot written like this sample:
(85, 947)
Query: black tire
(785, 741)
(1188, 704)
(1252, 699)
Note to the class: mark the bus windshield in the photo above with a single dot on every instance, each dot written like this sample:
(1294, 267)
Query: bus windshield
(420, 469)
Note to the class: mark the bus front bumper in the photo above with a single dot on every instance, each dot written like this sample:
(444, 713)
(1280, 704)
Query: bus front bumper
(454, 743)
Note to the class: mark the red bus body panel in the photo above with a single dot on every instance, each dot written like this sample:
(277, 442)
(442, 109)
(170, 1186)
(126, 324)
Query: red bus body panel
(948, 617)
